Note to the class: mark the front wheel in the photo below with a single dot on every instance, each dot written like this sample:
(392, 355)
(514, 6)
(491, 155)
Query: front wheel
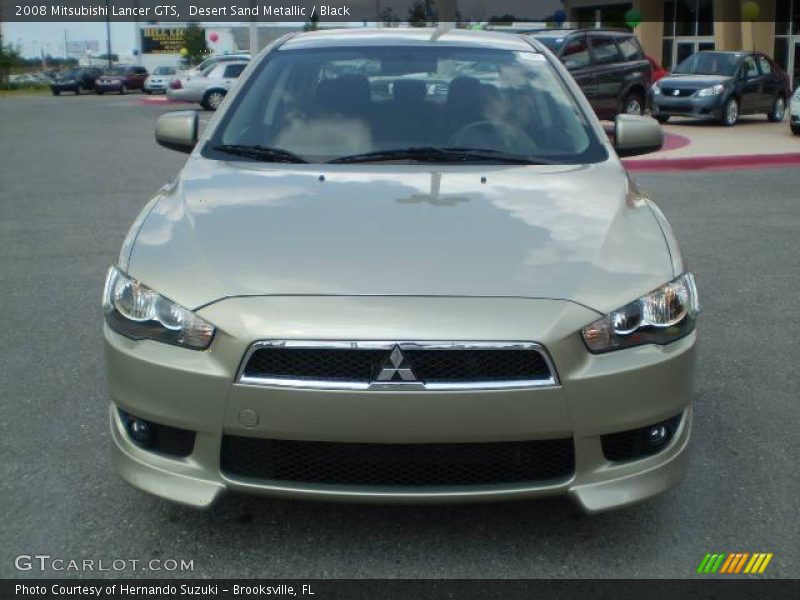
(730, 113)
(213, 100)
(633, 104)
(123, 90)
(778, 110)
(56, 92)
(796, 129)
(662, 118)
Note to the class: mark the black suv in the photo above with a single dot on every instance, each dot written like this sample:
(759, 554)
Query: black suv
(74, 80)
(609, 66)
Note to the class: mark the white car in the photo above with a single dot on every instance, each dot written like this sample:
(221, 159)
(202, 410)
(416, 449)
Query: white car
(159, 79)
(211, 62)
(210, 87)
(794, 121)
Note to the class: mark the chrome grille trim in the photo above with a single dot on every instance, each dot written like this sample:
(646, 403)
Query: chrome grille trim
(322, 384)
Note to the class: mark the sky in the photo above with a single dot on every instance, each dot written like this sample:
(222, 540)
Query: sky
(35, 38)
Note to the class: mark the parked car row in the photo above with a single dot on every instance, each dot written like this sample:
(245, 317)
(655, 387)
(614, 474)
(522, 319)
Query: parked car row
(206, 84)
(617, 77)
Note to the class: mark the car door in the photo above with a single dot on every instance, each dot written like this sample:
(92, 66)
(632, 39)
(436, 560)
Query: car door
(231, 74)
(752, 86)
(575, 56)
(606, 61)
(773, 82)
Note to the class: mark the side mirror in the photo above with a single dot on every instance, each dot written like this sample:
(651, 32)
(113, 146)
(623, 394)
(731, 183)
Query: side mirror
(635, 135)
(177, 130)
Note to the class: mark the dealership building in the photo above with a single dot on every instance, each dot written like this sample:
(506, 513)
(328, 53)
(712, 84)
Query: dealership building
(671, 30)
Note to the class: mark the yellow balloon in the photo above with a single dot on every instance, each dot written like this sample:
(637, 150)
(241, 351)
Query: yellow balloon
(184, 52)
(750, 11)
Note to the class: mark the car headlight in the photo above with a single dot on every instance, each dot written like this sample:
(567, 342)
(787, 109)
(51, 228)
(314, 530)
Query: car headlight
(711, 91)
(664, 315)
(135, 311)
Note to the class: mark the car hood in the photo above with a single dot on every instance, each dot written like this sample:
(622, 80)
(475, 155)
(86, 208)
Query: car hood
(224, 229)
(693, 82)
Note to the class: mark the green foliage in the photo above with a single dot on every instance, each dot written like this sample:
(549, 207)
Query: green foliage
(388, 17)
(9, 58)
(194, 40)
(421, 12)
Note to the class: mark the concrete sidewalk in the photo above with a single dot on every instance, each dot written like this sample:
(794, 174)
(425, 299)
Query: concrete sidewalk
(753, 143)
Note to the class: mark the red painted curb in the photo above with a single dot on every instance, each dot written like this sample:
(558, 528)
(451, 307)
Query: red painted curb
(718, 163)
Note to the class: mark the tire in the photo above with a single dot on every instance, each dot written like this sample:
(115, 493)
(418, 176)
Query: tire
(212, 99)
(730, 112)
(633, 104)
(778, 111)
(56, 92)
(148, 92)
(100, 92)
(662, 118)
(78, 89)
(123, 90)
(795, 129)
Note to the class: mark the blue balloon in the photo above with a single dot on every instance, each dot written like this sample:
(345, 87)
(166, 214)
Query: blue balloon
(559, 16)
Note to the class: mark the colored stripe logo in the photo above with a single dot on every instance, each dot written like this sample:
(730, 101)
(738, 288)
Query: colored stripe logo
(734, 563)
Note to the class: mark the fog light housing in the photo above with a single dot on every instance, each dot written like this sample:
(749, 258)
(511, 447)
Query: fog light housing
(155, 437)
(640, 443)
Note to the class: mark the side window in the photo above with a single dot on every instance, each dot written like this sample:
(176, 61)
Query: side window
(750, 67)
(604, 50)
(232, 71)
(215, 72)
(575, 54)
(766, 67)
(630, 48)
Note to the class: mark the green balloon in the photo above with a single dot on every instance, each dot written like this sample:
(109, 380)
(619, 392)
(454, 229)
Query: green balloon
(633, 17)
(750, 11)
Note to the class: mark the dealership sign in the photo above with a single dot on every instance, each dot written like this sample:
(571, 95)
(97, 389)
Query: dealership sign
(158, 40)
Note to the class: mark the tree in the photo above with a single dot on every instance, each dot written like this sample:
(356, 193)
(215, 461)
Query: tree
(9, 58)
(421, 12)
(194, 40)
(388, 17)
(312, 24)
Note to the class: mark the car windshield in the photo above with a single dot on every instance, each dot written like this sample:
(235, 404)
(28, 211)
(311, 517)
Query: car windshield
(69, 75)
(115, 71)
(164, 71)
(321, 105)
(709, 63)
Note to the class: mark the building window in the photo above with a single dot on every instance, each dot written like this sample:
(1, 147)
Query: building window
(688, 28)
(787, 37)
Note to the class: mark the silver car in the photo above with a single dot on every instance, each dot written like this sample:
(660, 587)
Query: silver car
(210, 87)
(402, 266)
(159, 79)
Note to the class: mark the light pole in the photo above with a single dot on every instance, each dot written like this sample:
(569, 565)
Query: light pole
(108, 35)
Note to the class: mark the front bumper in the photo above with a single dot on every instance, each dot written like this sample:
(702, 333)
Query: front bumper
(690, 106)
(597, 395)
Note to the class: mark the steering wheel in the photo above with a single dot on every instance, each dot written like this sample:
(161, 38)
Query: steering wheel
(508, 138)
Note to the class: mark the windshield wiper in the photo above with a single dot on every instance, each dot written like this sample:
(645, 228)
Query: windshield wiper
(437, 154)
(261, 153)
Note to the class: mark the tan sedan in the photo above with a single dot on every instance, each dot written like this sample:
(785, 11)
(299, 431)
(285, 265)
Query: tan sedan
(440, 289)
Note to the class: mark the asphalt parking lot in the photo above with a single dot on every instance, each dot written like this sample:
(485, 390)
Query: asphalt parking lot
(76, 171)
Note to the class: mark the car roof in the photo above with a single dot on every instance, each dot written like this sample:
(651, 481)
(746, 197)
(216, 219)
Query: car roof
(413, 36)
(566, 32)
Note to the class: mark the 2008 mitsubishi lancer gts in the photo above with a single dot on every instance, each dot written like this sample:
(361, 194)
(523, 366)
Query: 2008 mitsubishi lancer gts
(402, 266)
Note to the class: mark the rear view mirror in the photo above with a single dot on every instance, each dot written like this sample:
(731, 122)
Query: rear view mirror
(635, 135)
(177, 130)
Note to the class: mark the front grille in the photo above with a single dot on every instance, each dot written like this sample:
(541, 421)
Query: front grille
(398, 464)
(362, 364)
(316, 364)
(671, 91)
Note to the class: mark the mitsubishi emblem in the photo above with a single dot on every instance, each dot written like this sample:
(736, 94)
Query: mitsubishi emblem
(394, 370)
